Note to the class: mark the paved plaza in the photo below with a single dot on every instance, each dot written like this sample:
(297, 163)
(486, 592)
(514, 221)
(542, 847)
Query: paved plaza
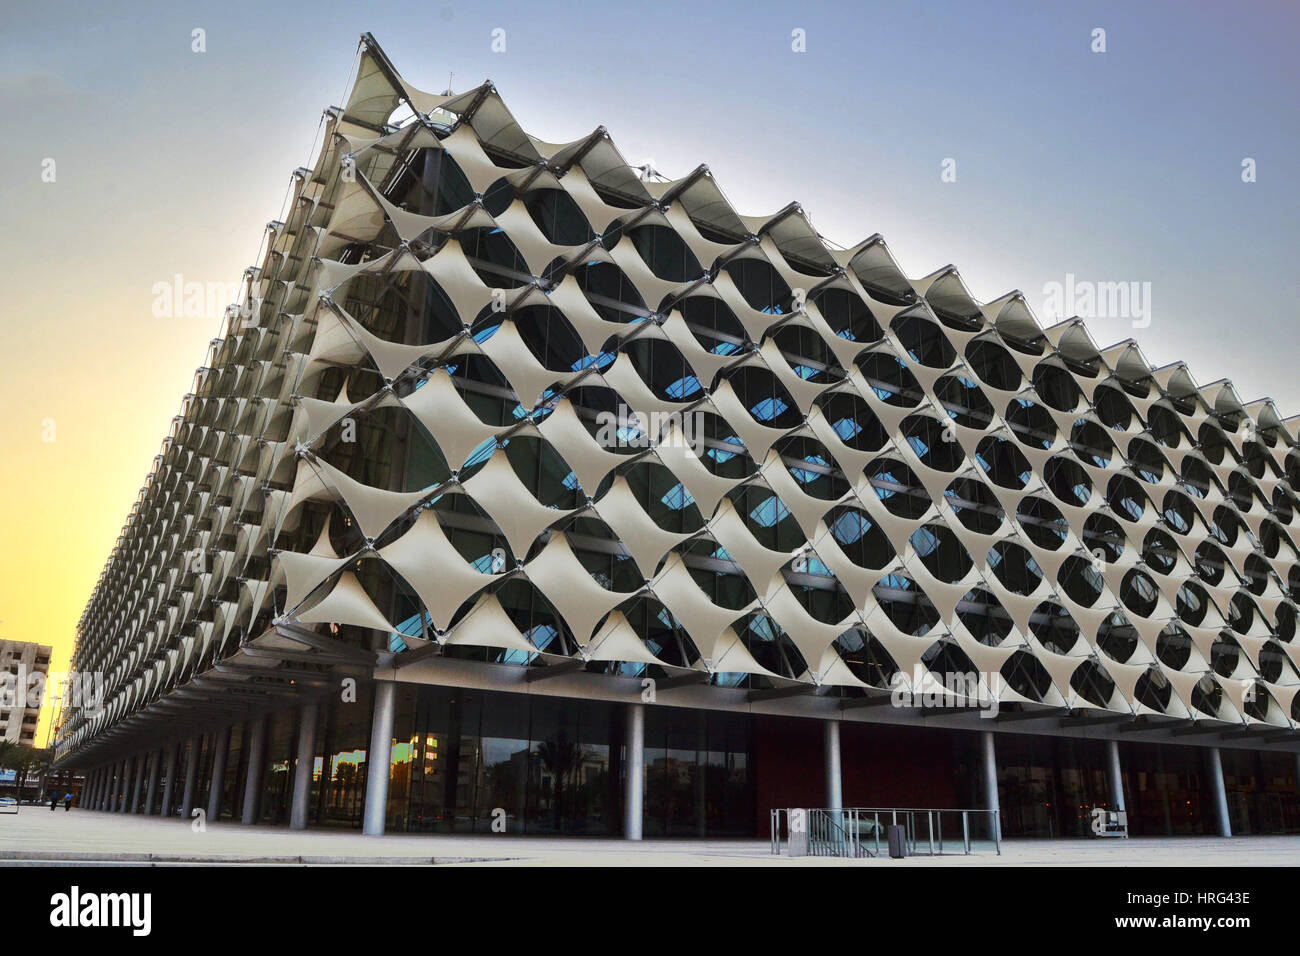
(83, 836)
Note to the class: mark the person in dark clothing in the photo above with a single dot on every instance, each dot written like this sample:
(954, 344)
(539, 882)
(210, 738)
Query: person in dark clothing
(67, 802)
(54, 800)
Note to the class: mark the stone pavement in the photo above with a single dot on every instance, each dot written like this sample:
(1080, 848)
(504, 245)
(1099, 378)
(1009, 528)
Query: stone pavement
(37, 835)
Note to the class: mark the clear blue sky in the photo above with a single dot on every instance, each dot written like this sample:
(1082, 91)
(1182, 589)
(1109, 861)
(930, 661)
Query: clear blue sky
(1122, 166)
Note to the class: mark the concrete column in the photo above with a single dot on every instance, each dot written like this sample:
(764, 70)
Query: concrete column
(1297, 773)
(191, 777)
(302, 766)
(834, 779)
(137, 782)
(1114, 775)
(93, 802)
(110, 781)
(989, 753)
(256, 738)
(151, 794)
(379, 758)
(124, 783)
(634, 755)
(219, 749)
(1219, 796)
(169, 781)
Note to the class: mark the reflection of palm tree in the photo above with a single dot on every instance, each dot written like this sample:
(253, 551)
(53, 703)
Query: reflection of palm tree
(562, 757)
(23, 760)
(42, 759)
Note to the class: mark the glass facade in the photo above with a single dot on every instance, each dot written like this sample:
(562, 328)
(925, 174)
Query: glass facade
(1166, 789)
(1048, 786)
(464, 761)
(1261, 790)
(470, 761)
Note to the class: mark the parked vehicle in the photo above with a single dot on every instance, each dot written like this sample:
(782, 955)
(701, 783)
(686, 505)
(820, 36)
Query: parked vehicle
(8, 805)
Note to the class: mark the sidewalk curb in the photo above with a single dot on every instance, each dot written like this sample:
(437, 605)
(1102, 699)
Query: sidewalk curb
(62, 856)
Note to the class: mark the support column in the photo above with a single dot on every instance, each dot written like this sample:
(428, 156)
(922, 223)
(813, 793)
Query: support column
(1218, 795)
(302, 766)
(989, 753)
(634, 794)
(1114, 775)
(169, 781)
(379, 758)
(110, 781)
(1297, 774)
(256, 737)
(218, 785)
(124, 783)
(191, 777)
(834, 778)
(137, 782)
(151, 794)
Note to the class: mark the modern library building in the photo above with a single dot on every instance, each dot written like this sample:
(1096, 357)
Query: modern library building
(527, 490)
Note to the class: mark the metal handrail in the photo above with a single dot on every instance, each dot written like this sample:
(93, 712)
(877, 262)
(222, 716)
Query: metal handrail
(838, 831)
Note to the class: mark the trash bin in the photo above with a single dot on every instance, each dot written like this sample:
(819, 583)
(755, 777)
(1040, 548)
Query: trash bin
(897, 841)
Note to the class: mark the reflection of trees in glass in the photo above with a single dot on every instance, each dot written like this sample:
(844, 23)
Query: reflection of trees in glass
(503, 782)
(561, 758)
(346, 792)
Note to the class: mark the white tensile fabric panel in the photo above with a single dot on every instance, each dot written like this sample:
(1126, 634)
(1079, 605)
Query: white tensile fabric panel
(731, 656)
(321, 415)
(459, 282)
(703, 620)
(439, 407)
(374, 508)
(644, 540)
(347, 603)
(572, 591)
(521, 517)
(488, 625)
(568, 297)
(463, 146)
(304, 573)
(810, 636)
(391, 358)
(618, 641)
(567, 434)
(759, 563)
(675, 451)
(508, 351)
(432, 566)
